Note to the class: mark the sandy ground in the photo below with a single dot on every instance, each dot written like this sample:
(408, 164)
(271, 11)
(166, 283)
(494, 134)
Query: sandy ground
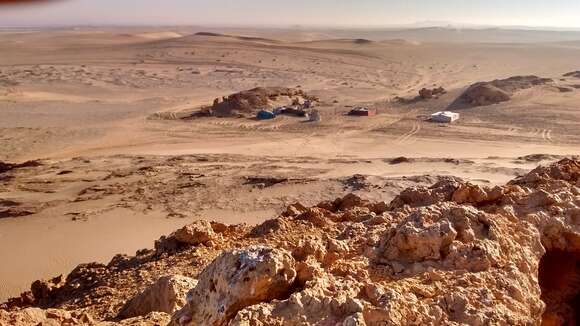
(114, 174)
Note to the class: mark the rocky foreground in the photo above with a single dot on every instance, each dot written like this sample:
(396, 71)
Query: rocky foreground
(453, 253)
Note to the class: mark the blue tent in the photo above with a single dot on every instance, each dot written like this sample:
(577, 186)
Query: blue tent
(265, 115)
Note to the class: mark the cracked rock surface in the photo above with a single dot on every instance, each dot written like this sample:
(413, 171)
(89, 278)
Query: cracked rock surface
(450, 254)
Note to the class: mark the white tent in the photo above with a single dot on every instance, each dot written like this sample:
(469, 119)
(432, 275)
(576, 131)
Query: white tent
(444, 116)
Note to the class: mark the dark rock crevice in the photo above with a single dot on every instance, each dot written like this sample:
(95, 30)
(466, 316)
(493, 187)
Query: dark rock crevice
(559, 277)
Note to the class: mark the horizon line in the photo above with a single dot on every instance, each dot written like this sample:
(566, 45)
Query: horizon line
(410, 26)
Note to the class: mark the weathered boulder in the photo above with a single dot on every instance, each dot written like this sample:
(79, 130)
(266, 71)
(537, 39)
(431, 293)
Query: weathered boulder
(42, 289)
(49, 317)
(294, 209)
(166, 295)
(198, 232)
(270, 226)
(235, 280)
(418, 240)
(350, 201)
(316, 216)
(423, 196)
(474, 194)
(429, 93)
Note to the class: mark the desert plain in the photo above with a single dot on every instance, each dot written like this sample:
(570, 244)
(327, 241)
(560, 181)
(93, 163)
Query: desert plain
(104, 153)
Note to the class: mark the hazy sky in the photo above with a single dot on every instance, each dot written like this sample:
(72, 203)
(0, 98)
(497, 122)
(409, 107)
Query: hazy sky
(556, 13)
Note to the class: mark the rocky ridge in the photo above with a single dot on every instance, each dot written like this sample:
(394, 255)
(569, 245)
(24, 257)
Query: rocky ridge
(450, 254)
(250, 101)
(499, 90)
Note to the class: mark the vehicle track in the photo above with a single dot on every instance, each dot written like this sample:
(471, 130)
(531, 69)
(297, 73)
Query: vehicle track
(544, 134)
(547, 135)
(536, 133)
(409, 137)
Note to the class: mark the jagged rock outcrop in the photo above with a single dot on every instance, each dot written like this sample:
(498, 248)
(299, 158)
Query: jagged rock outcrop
(235, 280)
(49, 317)
(6, 167)
(250, 101)
(195, 233)
(57, 317)
(421, 196)
(500, 90)
(451, 254)
(429, 93)
(573, 74)
(476, 195)
(165, 295)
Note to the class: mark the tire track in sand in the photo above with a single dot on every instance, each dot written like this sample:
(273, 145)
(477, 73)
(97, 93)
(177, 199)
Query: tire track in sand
(409, 136)
(536, 132)
(547, 135)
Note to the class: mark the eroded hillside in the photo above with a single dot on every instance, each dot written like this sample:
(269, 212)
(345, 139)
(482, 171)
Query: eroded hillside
(452, 253)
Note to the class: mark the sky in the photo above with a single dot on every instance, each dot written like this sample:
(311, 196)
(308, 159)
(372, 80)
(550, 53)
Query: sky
(545, 13)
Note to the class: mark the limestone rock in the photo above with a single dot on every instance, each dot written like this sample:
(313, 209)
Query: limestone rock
(166, 295)
(294, 209)
(417, 240)
(350, 201)
(473, 194)
(270, 226)
(151, 319)
(37, 316)
(422, 196)
(238, 279)
(198, 232)
(451, 254)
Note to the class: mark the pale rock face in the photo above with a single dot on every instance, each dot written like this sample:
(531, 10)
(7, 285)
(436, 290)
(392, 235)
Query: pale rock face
(419, 196)
(151, 319)
(416, 241)
(235, 280)
(450, 254)
(167, 295)
(49, 317)
(57, 317)
(351, 201)
(270, 226)
(316, 216)
(473, 194)
(198, 232)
